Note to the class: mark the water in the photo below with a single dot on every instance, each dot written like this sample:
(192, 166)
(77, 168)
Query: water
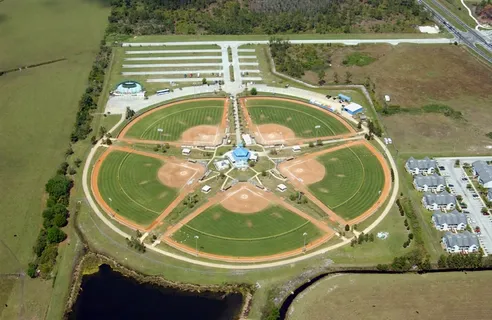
(110, 295)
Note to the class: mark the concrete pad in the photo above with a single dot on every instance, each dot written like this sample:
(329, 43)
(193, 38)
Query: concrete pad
(181, 72)
(172, 65)
(172, 51)
(184, 79)
(174, 58)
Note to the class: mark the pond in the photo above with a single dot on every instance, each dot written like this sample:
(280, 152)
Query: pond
(108, 294)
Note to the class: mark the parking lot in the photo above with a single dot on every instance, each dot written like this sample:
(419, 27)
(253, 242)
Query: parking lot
(457, 181)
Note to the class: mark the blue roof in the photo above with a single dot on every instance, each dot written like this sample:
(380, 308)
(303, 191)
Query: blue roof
(241, 152)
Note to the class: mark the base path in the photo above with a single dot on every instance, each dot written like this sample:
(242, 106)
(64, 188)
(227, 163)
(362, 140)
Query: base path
(193, 173)
(266, 198)
(276, 133)
(190, 136)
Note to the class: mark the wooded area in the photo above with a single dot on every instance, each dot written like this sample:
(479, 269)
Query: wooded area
(138, 17)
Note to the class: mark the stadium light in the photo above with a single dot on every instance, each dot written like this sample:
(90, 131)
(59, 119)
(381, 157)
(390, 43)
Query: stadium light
(196, 244)
(304, 235)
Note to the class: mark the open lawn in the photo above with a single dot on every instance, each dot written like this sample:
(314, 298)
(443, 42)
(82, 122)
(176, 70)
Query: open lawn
(38, 113)
(270, 231)
(176, 119)
(399, 296)
(418, 75)
(130, 180)
(299, 118)
(352, 181)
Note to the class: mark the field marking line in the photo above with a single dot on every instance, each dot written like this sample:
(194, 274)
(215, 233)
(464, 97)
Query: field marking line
(149, 112)
(331, 114)
(386, 188)
(99, 199)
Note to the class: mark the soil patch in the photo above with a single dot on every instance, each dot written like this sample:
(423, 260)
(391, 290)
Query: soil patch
(200, 135)
(275, 133)
(244, 201)
(176, 174)
(310, 171)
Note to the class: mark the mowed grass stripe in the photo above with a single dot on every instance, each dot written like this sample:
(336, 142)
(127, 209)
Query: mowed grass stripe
(352, 182)
(220, 222)
(176, 119)
(213, 245)
(130, 180)
(300, 118)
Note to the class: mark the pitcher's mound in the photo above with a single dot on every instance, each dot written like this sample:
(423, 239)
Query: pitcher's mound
(275, 133)
(176, 175)
(310, 171)
(201, 135)
(244, 201)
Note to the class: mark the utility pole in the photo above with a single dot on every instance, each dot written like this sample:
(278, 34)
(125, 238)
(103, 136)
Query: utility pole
(196, 245)
(304, 247)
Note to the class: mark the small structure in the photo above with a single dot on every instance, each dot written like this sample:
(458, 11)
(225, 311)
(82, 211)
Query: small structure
(424, 166)
(186, 152)
(281, 187)
(382, 235)
(253, 157)
(239, 157)
(387, 98)
(344, 98)
(453, 220)
(484, 173)
(206, 189)
(353, 108)
(296, 149)
(440, 201)
(247, 139)
(128, 88)
(465, 242)
(221, 165)
(433, 183)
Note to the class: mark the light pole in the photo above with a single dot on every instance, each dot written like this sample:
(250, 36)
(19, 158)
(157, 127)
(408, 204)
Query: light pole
(111, 207)
(317, 127)
(196, 245)
(160, 130)
(304, 235)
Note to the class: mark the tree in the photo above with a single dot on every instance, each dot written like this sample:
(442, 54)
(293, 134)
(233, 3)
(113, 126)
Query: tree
(59, 186)
(321, 77)
(102, 131)
(311, 144)
(69, 151)
(484, 210)
(72, 171)
(40, 244)
(32, 269)
(263, 173)
(348, 77)
(204, 81)
(392, 175)
(109, 142)
(371, 237)
(347, 227)
(60, 220)
(359, 125)
(254, 92)
(77, 162)
(442, 262)
(335, 77)
(55, 235)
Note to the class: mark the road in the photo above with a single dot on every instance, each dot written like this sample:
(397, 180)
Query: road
(454, 177)
(470, 37)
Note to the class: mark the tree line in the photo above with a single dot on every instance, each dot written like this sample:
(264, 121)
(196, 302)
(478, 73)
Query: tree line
(137, 17)
(58, 187)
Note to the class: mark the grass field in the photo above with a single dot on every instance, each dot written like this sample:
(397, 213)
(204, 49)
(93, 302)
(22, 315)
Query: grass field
(352, 181)
(38, 108)
(177, 119)
(130, 180)
(270, 231)
(415, 76)
(402, 296)
(301, 119)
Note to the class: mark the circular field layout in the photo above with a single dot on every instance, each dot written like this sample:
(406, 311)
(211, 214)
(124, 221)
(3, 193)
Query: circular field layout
(245, 201)
(199, 121)
(284, 120)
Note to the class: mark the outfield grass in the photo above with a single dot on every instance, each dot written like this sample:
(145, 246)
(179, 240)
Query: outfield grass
(270, 231)
(300, 118)
(401, 296)
(130, 181)
(352, 181)
(177, 119)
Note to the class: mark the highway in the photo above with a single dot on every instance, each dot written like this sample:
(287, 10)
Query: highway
(469, 38)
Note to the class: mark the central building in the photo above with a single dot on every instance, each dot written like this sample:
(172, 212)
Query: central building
(239, 157)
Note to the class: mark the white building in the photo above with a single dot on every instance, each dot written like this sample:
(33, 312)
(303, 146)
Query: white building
(281, 187)
(465, 242)
(424, 166)
(484, 173)
(434, 183)
(439, 201)
(206, 189)
(186, 152)
(453, 220)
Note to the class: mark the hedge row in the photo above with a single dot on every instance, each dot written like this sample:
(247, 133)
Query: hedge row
(58, 187)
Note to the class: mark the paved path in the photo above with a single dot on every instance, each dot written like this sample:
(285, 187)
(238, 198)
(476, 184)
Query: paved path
(181, 72)
(173, 58)
(172, 51)
(314, 41)
(172, 65)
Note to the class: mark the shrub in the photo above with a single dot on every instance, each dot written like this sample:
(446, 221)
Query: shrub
(55, 235)
(254, 92)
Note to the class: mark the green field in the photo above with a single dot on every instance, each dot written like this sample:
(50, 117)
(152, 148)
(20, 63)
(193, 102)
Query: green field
(299, 118)
(397, 296)
(177, 119)
(270, 231)
(38, 112)
(130, 180)
(352, 182)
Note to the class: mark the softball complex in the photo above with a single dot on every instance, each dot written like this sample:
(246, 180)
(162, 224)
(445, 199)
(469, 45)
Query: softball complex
(292, 182)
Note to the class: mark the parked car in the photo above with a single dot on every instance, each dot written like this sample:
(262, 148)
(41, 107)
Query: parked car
(451, 185)
(466, 211)
(442, 168)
